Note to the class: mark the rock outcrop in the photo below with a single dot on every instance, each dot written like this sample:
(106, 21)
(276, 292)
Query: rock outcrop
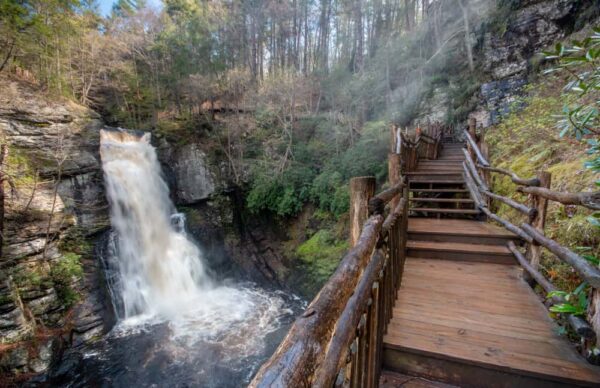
(195, 181)
(511, 48)
(54, 207)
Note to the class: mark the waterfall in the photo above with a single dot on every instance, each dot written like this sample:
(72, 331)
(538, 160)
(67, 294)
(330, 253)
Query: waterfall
(176, 326)
(161, 270)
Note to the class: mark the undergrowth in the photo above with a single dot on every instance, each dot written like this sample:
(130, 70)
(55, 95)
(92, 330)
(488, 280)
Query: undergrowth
(527, 142)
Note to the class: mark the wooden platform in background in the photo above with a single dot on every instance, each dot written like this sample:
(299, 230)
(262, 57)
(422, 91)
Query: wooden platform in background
(467, 322)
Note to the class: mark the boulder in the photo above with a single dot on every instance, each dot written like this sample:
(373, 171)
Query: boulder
(194, 180)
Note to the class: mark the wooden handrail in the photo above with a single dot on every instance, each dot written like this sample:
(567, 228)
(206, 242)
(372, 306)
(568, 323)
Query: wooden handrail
(591, 200)
(587, 271)
(514, 177)
(532, 232)
(345, 322)
(482, 160)
(580, 325)
(473, 170)
(394, 215)
(378, 202)
(528, 211)
(508, 225)
(350, 318)
(296, 359)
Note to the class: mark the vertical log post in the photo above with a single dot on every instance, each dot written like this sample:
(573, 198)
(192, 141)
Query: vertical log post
(472, 127)
(3, 157)
(362, 189)
(394, 138)
(483, 147)
(394, 161)
(539, 221)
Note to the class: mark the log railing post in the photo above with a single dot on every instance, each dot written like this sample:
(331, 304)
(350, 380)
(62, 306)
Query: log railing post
(539, 220)
(485, 174)
(362, 189)
(394, 161)
(472, 127)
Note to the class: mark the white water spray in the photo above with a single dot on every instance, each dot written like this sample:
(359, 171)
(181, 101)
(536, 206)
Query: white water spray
(160, 274)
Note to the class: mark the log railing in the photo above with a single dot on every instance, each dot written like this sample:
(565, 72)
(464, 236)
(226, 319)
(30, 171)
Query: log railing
(425, 144)
(338, 339)
(531, 230)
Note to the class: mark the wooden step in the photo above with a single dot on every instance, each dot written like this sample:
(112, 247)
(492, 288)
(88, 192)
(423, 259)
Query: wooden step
(459, 251)
(452, 212)
(478, 325)
(459, 231)
(433, 173)
(442, 200)
(441, 166)
(418, 190)
(438, 181)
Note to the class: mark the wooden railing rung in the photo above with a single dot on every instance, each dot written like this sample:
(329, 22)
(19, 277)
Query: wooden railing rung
(591, 200)
(589, 273)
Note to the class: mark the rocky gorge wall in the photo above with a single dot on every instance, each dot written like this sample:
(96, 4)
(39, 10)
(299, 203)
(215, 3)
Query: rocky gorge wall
(507, 40)
(54, 208)
(510, 50)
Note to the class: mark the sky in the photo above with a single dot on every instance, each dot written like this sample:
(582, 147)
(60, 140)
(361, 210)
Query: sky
(106, 5)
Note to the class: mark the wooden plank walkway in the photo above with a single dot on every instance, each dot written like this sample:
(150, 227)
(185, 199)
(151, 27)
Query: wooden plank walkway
(464, 322)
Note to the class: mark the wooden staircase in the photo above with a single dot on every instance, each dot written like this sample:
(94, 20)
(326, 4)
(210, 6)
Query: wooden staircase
(463, 314)
(438, 186)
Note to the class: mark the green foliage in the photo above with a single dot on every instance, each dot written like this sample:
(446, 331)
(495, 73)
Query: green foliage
(318, 173)
(576, 302)
(64, 273)
(322, 254)
(282, 194)
(75, 242)
(581, 60)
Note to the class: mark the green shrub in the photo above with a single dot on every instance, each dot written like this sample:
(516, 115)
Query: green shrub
(321, 254)
(64, 273)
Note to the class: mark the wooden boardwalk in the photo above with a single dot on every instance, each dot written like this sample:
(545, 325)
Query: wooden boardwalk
(432, 295)
(463, 314)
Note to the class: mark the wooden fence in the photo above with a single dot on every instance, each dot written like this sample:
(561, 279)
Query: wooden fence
(338, 339)
(477, 171)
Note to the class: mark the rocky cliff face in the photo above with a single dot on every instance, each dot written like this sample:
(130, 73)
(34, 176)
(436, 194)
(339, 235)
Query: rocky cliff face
(511, 47)
(54, 208)
(233, 244)
(507, 38)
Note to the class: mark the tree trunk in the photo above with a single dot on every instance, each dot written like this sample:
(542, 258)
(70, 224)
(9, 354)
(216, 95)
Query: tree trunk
(3, 156)
(465, 12)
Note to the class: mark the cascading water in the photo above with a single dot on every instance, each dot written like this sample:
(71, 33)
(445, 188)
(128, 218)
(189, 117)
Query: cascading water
(161, 270)
(176, 326)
